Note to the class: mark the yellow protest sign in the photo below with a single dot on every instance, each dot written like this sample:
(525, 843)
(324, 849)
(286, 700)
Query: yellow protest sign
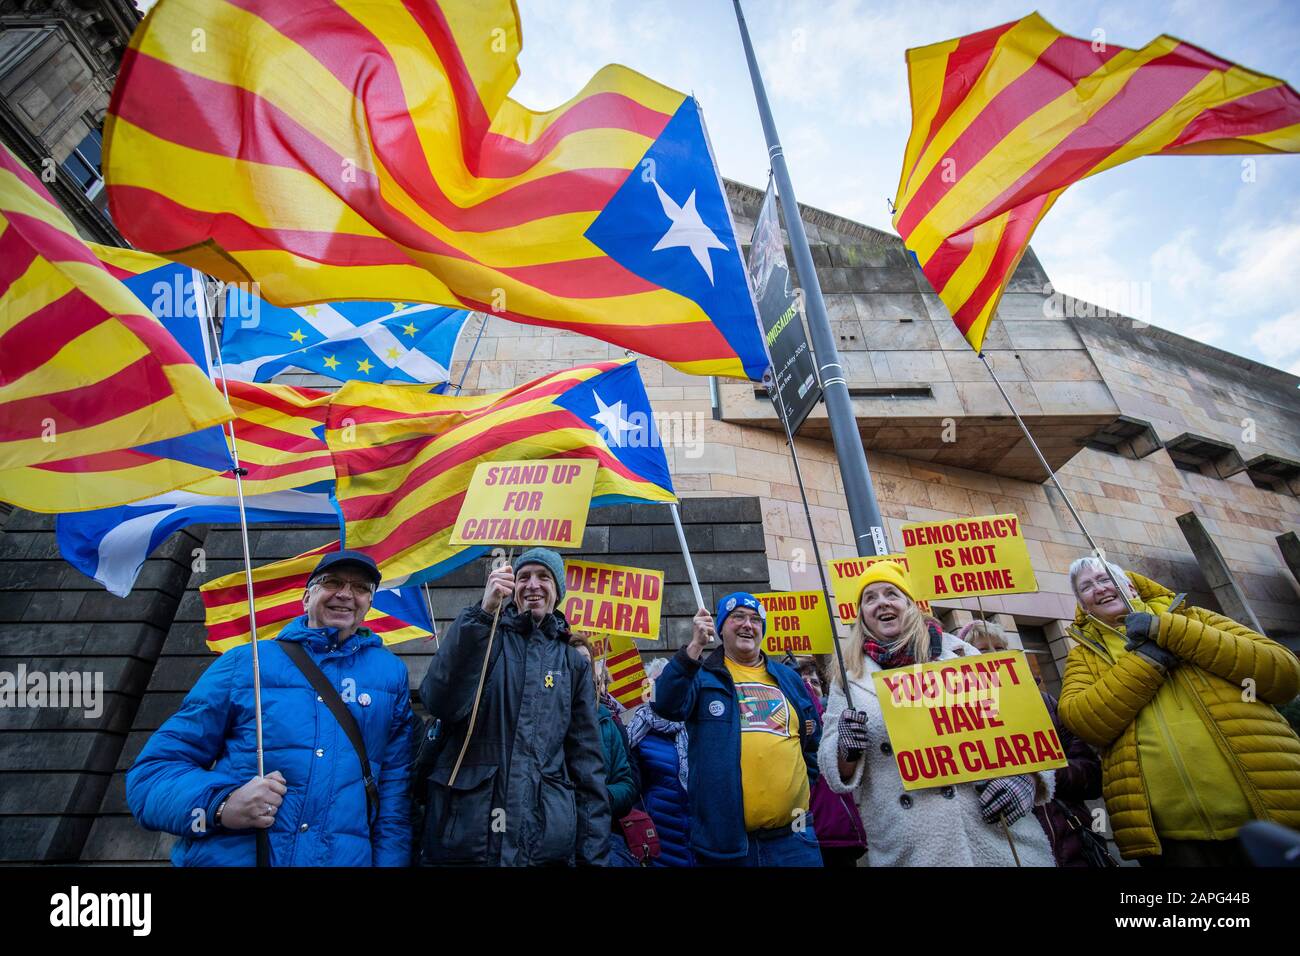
(845, 575)
(622, 660)
(527, 503)
(796, 622)
(968, 557)
(969, 718)
(610, 599)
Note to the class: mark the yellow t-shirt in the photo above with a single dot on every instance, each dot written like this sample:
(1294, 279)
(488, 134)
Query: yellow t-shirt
(773, 775)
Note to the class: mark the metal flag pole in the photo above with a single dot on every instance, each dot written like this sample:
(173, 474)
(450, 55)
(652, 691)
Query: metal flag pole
(428, 602)
(465, 371)
(817, 554)
(864, 512)
(686, 553)
(243, 532)
(263, 854)
(1120, 585)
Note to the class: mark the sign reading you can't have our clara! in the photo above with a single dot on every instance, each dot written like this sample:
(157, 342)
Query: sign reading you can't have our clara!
(965, 719)
(609, 599)
(968, 557)
(542, 503)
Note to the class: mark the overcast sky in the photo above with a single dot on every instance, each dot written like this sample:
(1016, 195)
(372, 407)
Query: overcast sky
(1219, 257)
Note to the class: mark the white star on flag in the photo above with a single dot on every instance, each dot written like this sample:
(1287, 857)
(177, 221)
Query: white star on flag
(686, 229)
(611, 419)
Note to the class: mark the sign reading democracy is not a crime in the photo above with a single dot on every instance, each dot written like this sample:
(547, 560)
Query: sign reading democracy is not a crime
(541, 503)
(968, 557)
(610, 599)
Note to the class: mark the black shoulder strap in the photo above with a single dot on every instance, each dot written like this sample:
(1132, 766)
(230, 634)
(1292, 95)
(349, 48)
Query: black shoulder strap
(325, 690)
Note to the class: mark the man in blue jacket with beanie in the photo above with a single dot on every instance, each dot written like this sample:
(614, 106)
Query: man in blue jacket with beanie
(197, 775)
(753, 736)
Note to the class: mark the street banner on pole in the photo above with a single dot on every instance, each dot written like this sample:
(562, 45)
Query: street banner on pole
(796, 623)
(610, 599)
(527, 503)
(968, 557)
(967, 719)
(779, 310)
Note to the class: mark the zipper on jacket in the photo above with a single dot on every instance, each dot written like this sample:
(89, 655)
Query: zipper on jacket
(1180, 767)
(1247, 788)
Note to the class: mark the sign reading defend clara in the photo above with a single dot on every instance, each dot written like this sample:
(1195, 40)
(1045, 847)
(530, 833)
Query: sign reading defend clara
(968, 556)
(526, 503)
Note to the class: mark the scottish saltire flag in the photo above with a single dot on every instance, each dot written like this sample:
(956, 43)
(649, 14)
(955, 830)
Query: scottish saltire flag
(403, 170)
(1004, 120)
(370, 341)
(396, 614)
(84, 368)
(111, 545)
(403, 458)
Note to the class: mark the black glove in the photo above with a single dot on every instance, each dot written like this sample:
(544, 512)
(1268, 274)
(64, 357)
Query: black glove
(1007, 797)
(853, 735)
(1138, 627)
(1163, 660)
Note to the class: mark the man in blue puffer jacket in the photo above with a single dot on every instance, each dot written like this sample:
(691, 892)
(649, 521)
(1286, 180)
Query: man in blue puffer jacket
(753, 733)
(197, 775)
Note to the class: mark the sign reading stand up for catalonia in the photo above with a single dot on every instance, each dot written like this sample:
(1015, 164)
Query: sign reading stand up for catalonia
(542, 503)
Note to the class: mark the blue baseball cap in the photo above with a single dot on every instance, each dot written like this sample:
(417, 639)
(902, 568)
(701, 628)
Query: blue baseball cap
(739, 599)
(350, 559)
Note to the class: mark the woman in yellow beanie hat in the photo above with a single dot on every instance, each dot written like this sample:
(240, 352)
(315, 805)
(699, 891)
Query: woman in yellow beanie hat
(955, 825)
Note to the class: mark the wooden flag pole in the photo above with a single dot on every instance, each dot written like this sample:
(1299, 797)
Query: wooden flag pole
(482, 678)
(1121, 586)
(263, 837)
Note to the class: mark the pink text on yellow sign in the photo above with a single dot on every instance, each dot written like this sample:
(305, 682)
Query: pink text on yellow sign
(611, 599)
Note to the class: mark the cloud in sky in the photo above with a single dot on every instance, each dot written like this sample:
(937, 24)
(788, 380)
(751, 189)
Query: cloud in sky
(1214, 251)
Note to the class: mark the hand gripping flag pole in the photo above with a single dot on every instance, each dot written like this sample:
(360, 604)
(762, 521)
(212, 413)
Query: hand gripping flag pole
(864, 512)
(1121, 586)
(263, 838)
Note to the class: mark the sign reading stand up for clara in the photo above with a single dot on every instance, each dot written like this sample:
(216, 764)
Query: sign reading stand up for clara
(969, 718)
(796, 622)
(541, 503)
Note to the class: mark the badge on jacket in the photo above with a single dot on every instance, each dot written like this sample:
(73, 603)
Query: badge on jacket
(716, 708)
(550, 679)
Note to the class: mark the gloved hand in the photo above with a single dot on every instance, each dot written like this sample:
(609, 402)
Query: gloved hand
(853, 735)
(1009, 797)
(1163, 660)
(1138, 627)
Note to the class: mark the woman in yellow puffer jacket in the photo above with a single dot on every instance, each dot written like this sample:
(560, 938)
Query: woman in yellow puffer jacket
(1179, 702)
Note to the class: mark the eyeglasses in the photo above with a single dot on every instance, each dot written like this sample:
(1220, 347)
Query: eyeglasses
(742, 618)
(334, 585)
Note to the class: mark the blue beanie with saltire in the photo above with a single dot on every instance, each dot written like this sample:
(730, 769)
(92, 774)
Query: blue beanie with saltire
(735, 600)
(549, 560)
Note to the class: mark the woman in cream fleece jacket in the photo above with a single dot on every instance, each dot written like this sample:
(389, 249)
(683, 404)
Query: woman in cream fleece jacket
(938, 826)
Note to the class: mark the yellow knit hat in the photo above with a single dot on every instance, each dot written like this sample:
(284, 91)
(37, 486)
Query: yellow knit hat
(889, 572)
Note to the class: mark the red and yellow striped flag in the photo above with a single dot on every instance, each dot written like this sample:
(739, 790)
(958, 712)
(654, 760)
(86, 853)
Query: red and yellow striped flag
(279, 433)
(277, 595)
(371, 151)
(84, 368)
(626, 671)
(1005, 119)
(404, 458)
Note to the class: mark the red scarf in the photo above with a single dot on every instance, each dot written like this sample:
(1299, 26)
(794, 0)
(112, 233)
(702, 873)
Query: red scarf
(902, 656)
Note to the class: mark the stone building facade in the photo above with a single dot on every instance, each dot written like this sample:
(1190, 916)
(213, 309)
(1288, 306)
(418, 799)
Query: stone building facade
(1181, 459)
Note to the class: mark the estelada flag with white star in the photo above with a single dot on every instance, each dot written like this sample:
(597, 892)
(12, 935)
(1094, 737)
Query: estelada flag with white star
(404, 458)
(372, 152)
(368, 341)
